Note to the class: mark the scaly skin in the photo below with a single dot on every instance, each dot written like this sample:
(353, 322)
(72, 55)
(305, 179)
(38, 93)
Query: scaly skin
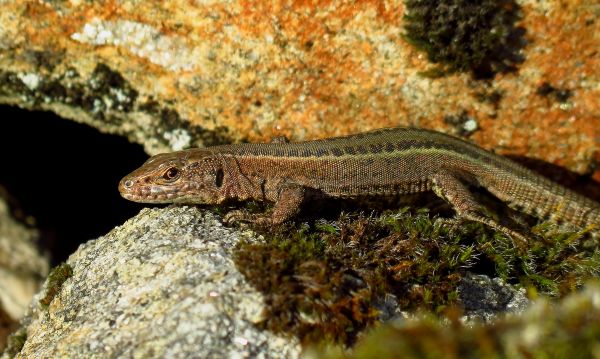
(385, 162)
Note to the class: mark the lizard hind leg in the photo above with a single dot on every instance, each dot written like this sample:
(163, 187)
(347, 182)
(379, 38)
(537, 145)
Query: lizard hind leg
(450, 186)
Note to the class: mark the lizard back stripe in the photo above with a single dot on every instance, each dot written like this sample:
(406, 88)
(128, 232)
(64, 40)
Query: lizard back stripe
(384, 142)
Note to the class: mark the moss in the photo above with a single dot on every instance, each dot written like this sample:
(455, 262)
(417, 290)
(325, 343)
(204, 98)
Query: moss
(332, 279)
(56, 278)
(568, 330)
(16, 341)
(463, 35)
(561, 261)
(329, 279)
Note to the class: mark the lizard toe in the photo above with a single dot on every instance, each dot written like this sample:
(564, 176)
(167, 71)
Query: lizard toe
(235, 216)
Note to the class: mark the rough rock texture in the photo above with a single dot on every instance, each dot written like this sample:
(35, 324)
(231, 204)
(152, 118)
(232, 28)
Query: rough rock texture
(22, 270)
(182, 73)
(164, 285)
(161, 285)
(483, 298)
(567, 329)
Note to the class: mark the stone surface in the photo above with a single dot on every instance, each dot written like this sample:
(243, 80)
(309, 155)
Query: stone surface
(484, 298)
(569, 328)
(184, 73)
(164, 285)
(161, 285)
(22, 269)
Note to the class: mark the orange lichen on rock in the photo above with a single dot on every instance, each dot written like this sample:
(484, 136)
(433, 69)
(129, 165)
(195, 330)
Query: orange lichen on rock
(561, 53)
(309, 69)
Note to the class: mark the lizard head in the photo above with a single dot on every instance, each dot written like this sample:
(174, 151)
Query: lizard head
(178, 177)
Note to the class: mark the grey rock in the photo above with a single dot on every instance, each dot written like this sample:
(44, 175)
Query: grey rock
(22, 267)
(163, 285)
(483, 298)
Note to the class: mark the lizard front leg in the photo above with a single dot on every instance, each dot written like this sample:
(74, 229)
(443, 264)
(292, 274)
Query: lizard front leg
(287, 205)
(449, 185)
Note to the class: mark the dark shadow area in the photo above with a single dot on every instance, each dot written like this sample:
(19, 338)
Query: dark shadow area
(64, 175)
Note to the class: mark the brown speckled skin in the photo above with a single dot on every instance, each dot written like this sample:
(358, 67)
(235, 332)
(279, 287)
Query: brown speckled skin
(384, 162)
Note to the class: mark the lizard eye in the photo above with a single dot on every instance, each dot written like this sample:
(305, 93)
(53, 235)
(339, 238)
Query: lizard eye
(171, 174)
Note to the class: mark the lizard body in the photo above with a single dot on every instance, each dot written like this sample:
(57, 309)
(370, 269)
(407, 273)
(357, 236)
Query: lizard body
(383, 162)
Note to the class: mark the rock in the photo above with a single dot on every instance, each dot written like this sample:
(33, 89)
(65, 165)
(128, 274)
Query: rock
(569, 328)
(173, 75)
(161, 285)
(483, 298)
(22, 269)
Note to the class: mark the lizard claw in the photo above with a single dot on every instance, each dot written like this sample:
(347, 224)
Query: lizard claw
(235, 216)
(243, 216)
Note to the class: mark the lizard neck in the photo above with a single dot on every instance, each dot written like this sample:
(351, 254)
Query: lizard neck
(239, 184)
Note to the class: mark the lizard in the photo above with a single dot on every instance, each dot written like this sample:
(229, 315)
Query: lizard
(384, 162)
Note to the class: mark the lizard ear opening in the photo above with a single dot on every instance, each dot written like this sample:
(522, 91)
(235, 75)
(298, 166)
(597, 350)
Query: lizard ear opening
(219, 178)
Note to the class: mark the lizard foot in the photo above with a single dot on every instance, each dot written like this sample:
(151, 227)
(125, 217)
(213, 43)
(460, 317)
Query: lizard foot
(243, 216)
(235, 216)
(454, 224)
(518, 239)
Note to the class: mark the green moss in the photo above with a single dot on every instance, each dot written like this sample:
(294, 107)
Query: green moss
(56, 278)
(329, 279)
(568, 330)
(15, 343)
(464, 35)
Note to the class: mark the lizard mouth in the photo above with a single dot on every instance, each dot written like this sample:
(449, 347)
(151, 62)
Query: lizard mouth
(150, 197)
(149, 194)
(155, 193)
